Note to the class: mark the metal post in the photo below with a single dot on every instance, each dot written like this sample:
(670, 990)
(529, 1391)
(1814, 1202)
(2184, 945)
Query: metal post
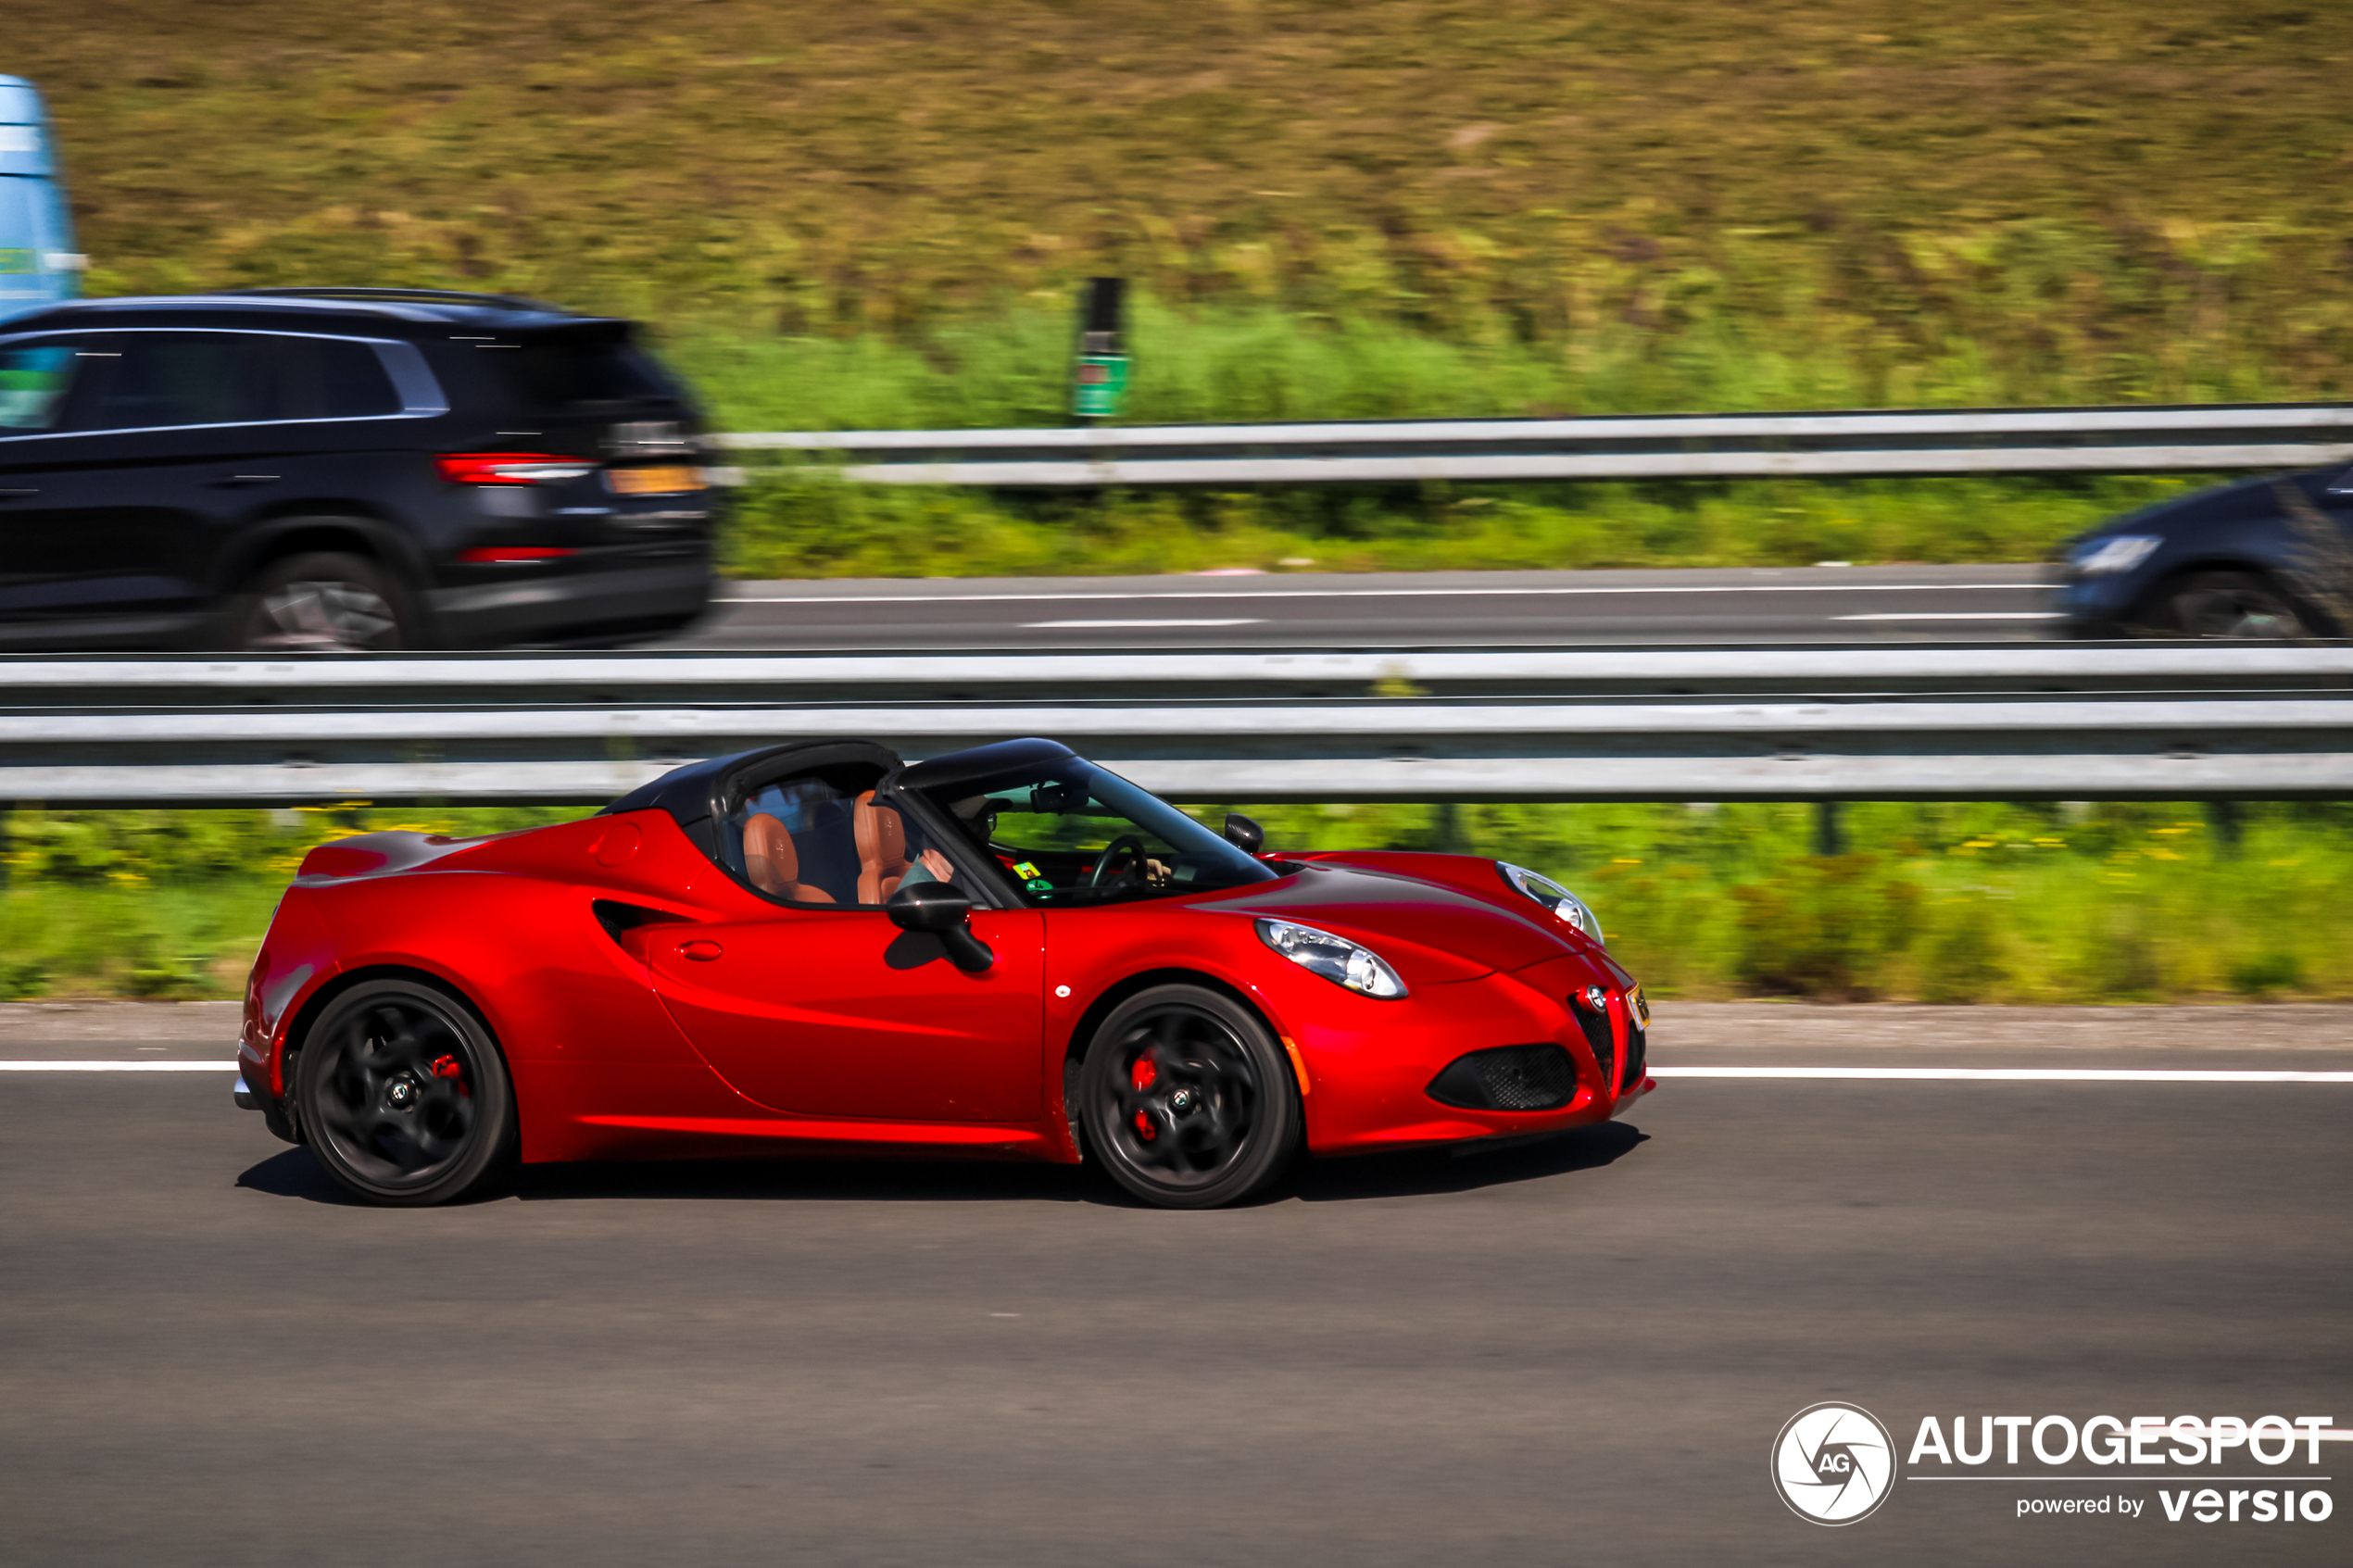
(2224, 820)
(1830, 837)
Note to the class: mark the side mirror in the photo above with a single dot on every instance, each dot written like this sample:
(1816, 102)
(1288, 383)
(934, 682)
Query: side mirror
(1243, 834)
(945, 912)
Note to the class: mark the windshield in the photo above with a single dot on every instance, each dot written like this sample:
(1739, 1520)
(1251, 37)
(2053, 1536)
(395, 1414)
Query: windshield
(1070, 833)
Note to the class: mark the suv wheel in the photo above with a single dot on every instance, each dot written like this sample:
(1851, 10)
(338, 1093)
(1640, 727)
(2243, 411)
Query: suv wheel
(322, 603)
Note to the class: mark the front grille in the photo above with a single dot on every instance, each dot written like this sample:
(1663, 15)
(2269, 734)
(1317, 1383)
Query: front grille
(1597, 1034)
(1508, 1078)
(1637, 1047)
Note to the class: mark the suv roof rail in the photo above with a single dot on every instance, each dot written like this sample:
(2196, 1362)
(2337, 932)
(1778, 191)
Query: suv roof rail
(441, 296)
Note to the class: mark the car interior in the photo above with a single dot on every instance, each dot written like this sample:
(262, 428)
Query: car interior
(821, 837)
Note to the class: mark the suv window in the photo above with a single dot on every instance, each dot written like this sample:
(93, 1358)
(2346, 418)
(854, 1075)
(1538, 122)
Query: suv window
(333, 379)
(164, 379)
(158, 378)
(34, 378)
(568, 369)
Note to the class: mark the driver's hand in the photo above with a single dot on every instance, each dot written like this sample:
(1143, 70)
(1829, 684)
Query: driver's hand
(937, 863)
(1155, 872)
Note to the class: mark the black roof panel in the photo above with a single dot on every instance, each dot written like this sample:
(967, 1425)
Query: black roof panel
(385, 312)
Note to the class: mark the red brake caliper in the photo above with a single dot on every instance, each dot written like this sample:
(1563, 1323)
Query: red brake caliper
(451, 1067)
(1145, 1073)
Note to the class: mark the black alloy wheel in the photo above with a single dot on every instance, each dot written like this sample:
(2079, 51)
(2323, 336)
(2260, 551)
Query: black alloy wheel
(2238, 606)
(403, 1097)
(1187, 1100)
(322, 603)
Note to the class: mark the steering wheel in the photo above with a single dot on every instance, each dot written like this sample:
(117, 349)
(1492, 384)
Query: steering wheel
(1133, 843)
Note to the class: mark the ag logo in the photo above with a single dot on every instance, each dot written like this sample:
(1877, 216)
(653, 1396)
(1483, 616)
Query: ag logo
(1833, 1464)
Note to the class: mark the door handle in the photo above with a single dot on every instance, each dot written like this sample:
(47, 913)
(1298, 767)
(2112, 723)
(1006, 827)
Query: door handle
(9, 494)
(239, 481)
(700, 951)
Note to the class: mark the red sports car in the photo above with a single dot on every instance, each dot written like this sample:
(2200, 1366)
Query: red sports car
(1007, 952)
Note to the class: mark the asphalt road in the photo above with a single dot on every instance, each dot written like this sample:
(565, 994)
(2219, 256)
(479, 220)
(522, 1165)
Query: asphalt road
(1388, 609)
(1573, 1353)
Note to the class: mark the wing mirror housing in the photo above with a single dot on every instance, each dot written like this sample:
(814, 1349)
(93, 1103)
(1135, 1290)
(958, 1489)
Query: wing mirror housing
(1243, 834)
(946, 913)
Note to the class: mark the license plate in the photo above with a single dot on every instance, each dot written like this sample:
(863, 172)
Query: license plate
(1642, 1005)
(668, 479)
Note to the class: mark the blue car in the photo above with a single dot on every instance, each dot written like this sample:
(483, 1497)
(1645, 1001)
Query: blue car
(38, 263)
(2268, 558)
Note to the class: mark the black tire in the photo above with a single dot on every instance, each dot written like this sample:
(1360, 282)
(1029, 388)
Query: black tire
(404, 1097)
(1214, 1116)
(323, 602)
(2238, 606)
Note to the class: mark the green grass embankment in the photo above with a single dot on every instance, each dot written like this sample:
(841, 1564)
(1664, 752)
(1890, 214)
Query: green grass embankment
(874, 215)
(1260, 364)
(1966, 903)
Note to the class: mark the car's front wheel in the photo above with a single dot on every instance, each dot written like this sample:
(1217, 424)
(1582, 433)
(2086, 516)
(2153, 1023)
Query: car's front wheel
(2238, 606)
(403, 1097)
(1187, 1100)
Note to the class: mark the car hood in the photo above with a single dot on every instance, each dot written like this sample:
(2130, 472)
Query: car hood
(1429, 932)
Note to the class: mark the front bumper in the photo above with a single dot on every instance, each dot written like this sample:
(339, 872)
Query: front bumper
(2100, 606)
(1371, 1064)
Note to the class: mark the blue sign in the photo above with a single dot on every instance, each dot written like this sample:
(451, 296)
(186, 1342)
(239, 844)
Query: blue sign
(38, 262)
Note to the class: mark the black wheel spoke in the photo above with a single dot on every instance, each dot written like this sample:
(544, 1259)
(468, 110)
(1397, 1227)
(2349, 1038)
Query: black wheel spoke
(397, 1097)
(1179, 1072)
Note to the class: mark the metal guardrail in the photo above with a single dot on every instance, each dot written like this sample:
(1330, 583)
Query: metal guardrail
(1919, 441)
(1715, 724)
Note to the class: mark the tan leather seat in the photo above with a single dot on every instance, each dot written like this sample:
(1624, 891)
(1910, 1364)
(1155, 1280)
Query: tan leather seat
(881, 850)
(774, 865)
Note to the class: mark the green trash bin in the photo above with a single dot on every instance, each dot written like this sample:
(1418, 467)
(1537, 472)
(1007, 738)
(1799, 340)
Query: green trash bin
(1099, 371)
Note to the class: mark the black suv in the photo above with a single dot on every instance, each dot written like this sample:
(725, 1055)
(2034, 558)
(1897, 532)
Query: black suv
(342, 469)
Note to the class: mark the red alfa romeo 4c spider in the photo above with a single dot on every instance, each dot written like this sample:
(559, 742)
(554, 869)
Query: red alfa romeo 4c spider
(1007, 952)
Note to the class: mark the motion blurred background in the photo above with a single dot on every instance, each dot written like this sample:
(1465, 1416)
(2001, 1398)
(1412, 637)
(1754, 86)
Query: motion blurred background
(875, 216)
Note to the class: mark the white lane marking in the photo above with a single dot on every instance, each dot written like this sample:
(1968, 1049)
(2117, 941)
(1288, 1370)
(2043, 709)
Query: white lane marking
(1091, 625)
(2015, 1074)
(1966, 615)
(228, 1066)
(1378, 593)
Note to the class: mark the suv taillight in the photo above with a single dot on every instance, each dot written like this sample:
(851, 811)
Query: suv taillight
(509, 468)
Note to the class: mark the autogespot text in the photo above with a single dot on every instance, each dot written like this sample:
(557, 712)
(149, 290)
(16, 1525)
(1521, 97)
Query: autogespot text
(2135, 1445)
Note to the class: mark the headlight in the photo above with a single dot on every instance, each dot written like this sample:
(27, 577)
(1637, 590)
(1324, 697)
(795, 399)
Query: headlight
(2119, 552)
(1554, 897)
(1335, 958)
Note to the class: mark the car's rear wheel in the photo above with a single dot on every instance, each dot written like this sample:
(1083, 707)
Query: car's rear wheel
(323, 602)
(1187, 1100)
(404, 1097)
(2238, 606)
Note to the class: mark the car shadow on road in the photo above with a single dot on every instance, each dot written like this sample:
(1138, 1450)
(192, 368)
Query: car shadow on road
(294, 1173)
(1464, 1167)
